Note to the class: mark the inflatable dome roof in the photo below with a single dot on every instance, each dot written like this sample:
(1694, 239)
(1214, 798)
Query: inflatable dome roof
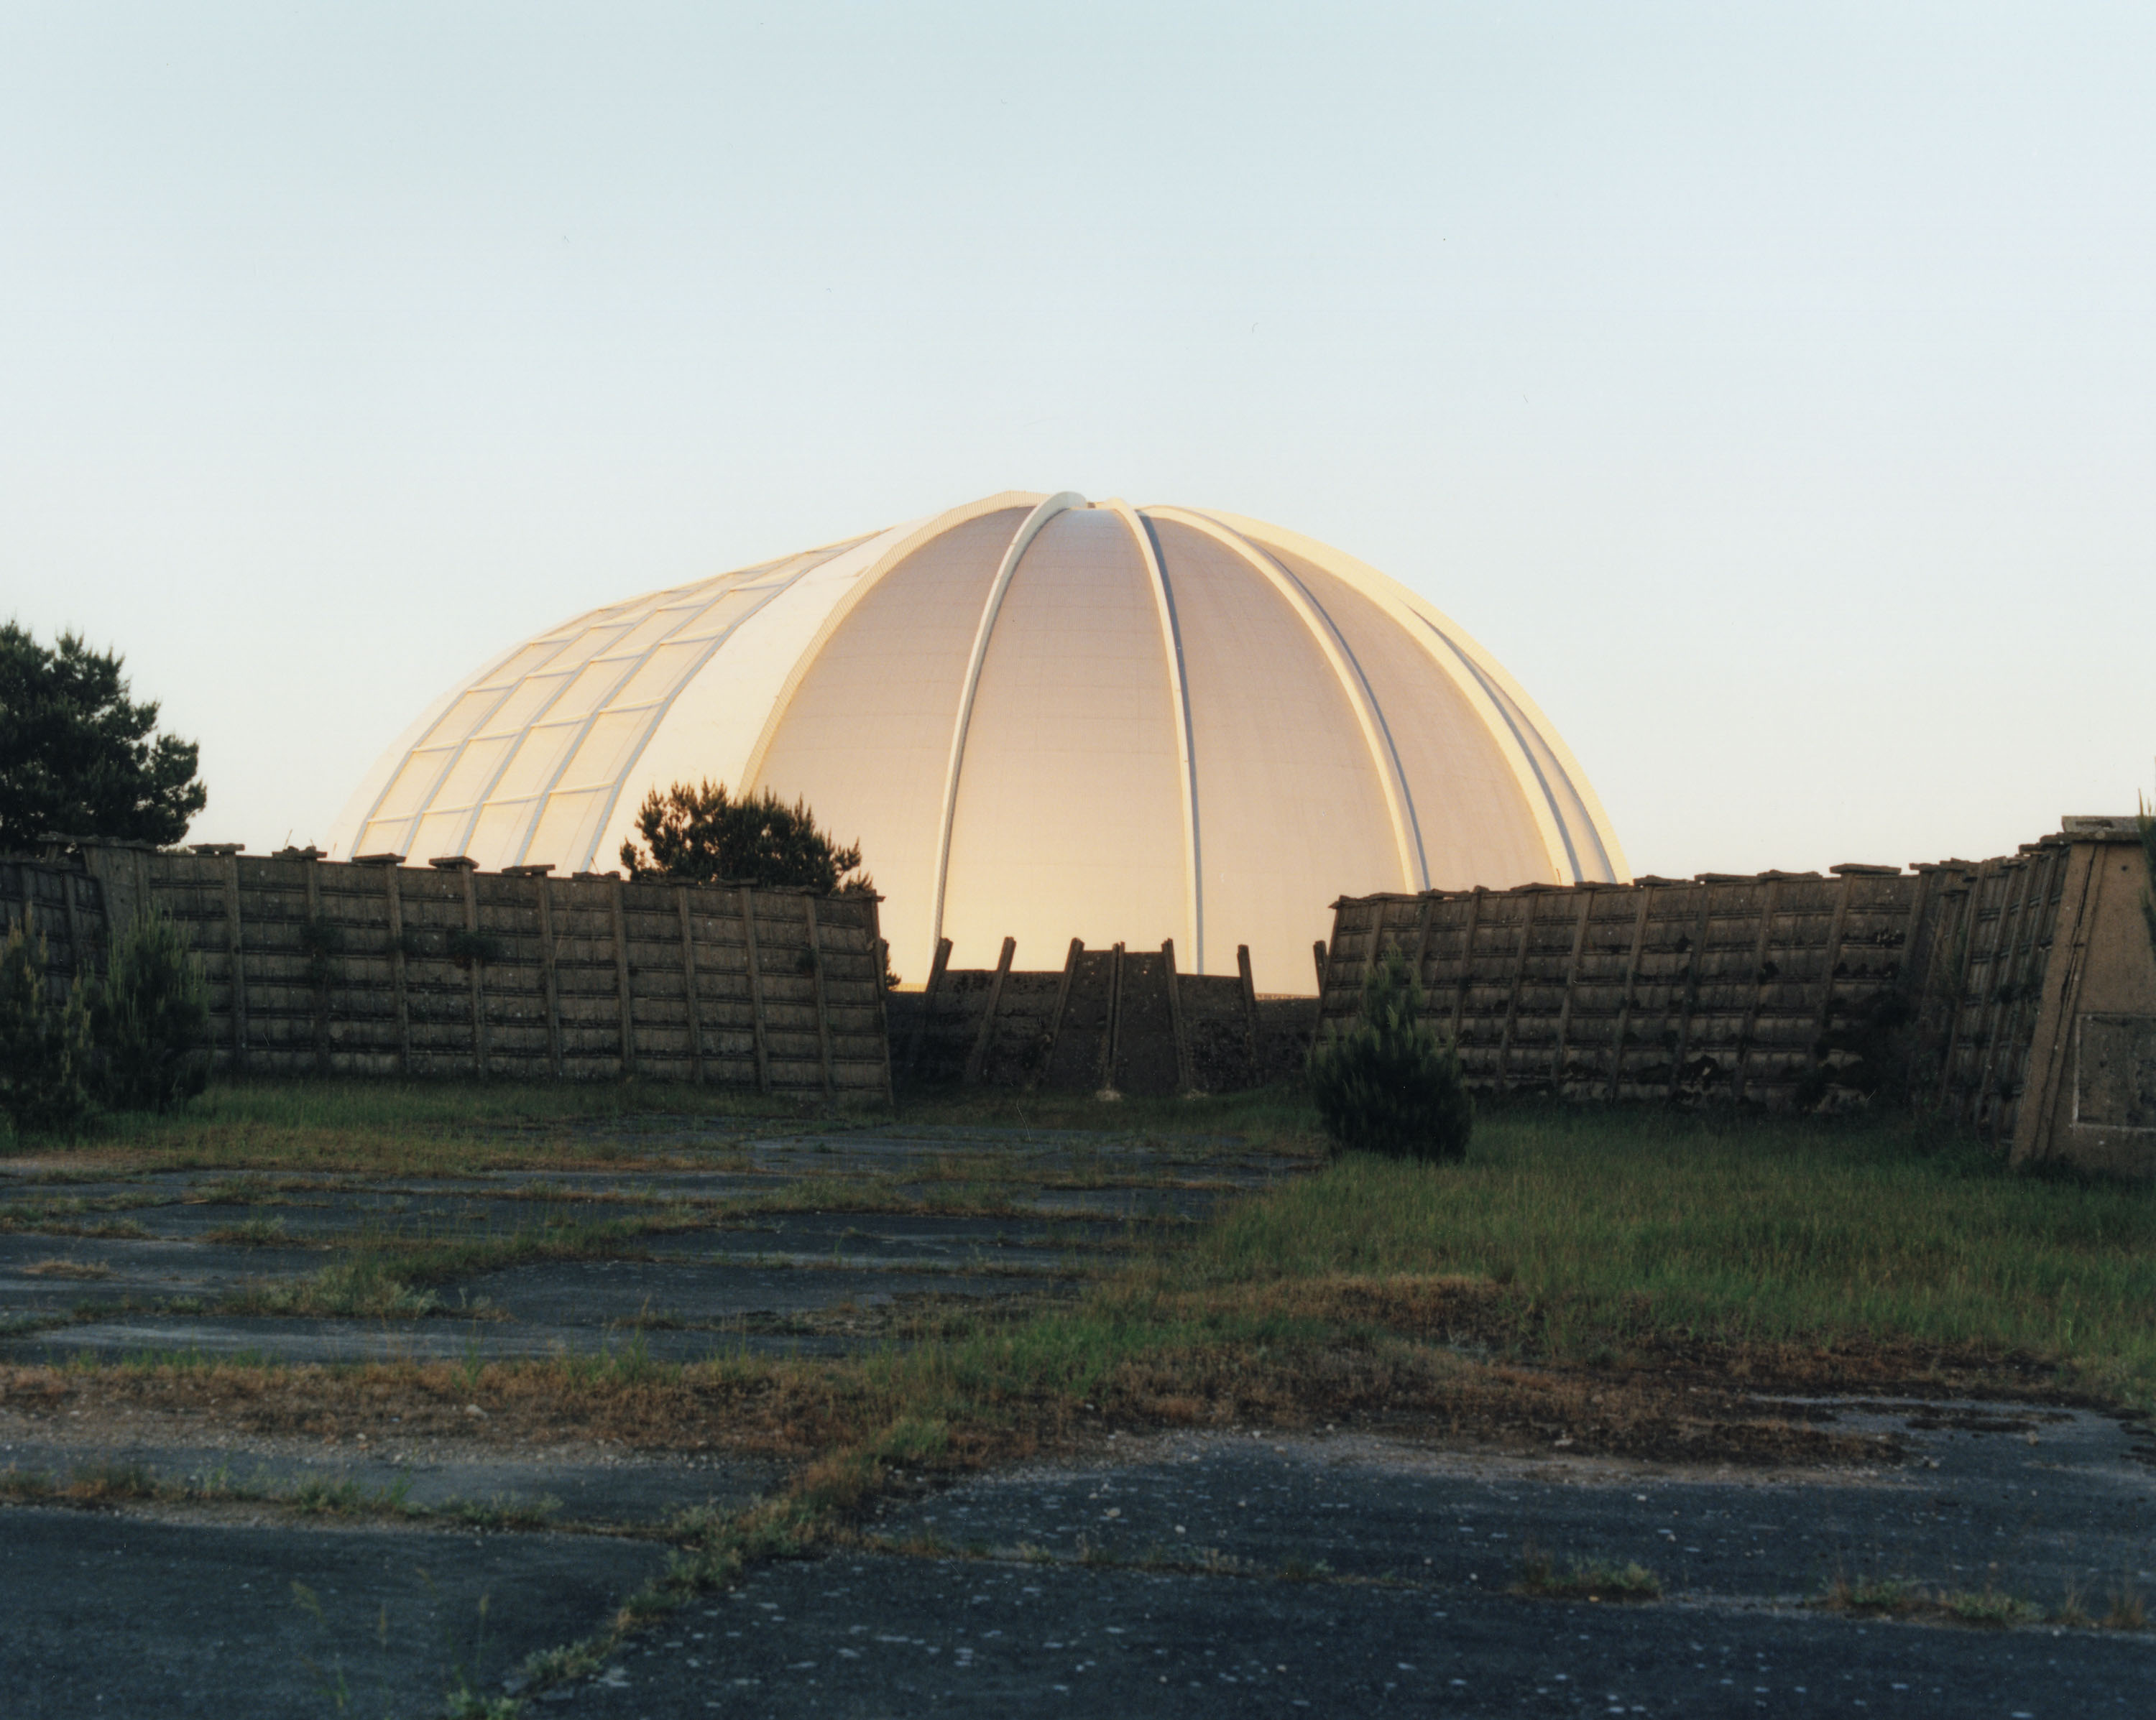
(1040, 716)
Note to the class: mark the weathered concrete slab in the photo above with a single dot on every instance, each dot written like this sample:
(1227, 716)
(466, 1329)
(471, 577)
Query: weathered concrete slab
(1979, 1505)
(898, 1637)
(580, 1487)
(909, 1241)
(713, 1295)
(125, 1615)
(41, 1275)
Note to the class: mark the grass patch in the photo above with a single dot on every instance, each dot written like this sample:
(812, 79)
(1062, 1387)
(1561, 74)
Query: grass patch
(1540, 1577)
(1633, 1236)
(417, 1128)
(1989, 1607)
(1881, 1597)
(252, 1233)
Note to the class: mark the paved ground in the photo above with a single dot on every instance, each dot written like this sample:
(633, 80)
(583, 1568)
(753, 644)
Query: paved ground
(122, 1616)
(730, 1245)
(890, 1637)
(1184, 1574)
(1188, 1574)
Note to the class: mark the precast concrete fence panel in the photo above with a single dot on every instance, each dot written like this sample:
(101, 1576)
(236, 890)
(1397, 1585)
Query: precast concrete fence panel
(377, 967)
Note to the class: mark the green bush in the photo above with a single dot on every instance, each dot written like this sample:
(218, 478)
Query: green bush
(149, 1019)
(1387, 1085)
(45, 1047)
(705, 835)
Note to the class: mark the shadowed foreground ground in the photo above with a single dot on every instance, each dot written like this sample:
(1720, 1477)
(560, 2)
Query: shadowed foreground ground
(1108, 1414)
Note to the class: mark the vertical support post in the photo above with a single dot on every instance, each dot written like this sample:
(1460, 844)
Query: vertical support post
(913, 1040)
(1921, 980)
(1631, 980)
(550, 983)
(692, 1014)
(1692, 982)
(1751, 1026)
(1250, 1008)
(1109, 1047)
(622, 997)
(1426, 924)
(1466, 964)
(2080, 892)
(319, 960)
(816, 976)
(1519, 980)
(237, 955)
(755, 991)
(1570, 985)
(1972, 920)
(1055, 1017)
(1919, 899)
(393, 902)
(1318, 954)
(2012, 917)
(1827, 967)
(985, 1037)
(475, 970)
(2046, 866)
(1186, 1075)
(67, 920)
(880, 951)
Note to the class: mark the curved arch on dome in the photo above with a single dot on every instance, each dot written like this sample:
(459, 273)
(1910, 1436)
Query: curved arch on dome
(1013, 553)
(1550, 781)
(1178, 687)
(1362, 699)
(917, 536)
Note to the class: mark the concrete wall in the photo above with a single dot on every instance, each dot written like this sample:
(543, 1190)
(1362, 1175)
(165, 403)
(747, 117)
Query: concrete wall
(1116, 1019)
(322, 968)
(1783, 989)
(2091, 1099)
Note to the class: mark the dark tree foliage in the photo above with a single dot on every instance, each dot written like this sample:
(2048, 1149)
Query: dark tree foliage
(704, 835)
(44, 1046)
(77, 756)
(150, 1020)
(1387, 1085)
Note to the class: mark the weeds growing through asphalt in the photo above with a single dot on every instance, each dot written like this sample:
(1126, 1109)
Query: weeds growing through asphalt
(1540, 1577)
(100, 1485)
(421, 1128)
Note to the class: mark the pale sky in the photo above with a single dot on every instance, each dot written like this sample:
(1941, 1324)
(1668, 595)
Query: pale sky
(1771, 389)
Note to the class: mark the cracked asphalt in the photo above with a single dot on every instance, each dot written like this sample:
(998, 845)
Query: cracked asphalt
(1202, 1575)
(1336, 1573)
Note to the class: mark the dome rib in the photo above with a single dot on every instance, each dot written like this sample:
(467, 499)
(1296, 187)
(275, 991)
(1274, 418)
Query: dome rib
(923, 533)
(1480, 678)
(1178, 689)
(1392, 780)
(1534, 765)
(1028, 528)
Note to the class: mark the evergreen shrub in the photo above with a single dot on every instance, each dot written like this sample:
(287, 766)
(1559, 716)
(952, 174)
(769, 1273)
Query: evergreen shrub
(149, 1019)
(1387, 1084)
(44, 1046)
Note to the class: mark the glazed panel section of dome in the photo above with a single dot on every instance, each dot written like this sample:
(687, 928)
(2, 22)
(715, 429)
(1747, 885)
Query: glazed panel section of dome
(1040, 717)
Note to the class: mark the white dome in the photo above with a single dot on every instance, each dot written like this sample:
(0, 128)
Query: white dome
(1039, 716)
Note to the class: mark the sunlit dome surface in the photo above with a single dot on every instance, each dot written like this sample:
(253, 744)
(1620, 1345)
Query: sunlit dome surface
(1040, 716)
